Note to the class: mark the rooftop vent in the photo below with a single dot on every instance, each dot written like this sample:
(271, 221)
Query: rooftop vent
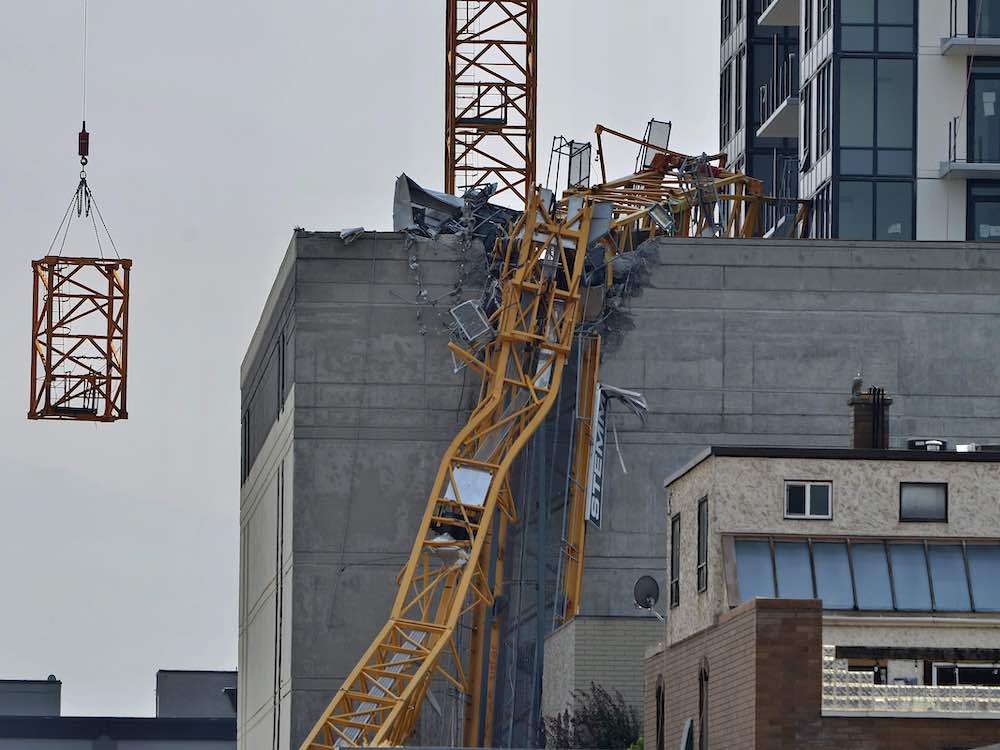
(927, 444)
(869, 417)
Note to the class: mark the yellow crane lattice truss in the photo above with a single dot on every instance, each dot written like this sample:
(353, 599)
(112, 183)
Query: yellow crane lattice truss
(447, 575)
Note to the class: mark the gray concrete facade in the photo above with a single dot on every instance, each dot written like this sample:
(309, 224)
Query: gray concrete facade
(30, 697)
(349, 400)
(190, 693)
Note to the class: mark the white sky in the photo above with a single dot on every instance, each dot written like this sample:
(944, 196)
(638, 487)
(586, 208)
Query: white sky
(215, 128)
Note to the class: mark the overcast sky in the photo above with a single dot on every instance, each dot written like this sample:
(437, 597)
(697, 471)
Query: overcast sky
(216, 127)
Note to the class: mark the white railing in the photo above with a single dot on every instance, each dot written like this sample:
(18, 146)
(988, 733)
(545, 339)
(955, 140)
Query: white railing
(848, 692)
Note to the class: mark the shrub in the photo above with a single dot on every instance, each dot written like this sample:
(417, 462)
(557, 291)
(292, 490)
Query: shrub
(598, 721)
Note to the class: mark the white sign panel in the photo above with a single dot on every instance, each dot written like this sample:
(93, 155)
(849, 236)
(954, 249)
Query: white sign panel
(595, 479)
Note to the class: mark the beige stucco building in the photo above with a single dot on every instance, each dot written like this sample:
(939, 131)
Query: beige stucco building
(902, 547)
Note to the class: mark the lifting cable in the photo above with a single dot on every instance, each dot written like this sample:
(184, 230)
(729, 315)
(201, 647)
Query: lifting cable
(83, 203)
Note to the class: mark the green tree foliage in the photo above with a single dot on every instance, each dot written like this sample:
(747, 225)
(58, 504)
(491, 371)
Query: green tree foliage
(598, 721)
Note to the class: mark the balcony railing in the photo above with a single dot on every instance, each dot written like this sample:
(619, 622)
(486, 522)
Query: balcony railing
(846, 692)
(782, 91)
(982, 36)
(981, 161)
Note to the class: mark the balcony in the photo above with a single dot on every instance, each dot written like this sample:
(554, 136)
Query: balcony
(778, 102)
(780, 13)
(984, 163)
(983, 31)
(847, 693)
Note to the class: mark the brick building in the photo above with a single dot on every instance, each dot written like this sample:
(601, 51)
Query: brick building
(828, 597)
(759, 676)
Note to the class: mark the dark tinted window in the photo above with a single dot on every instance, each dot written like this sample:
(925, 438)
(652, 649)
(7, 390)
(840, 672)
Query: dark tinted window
(856, 200)
(923, 502)
(857, 102)
(894, 211)
(984, 212)
(857, 11)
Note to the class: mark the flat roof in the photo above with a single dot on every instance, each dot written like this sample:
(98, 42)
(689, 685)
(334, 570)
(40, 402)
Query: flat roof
(835, 454)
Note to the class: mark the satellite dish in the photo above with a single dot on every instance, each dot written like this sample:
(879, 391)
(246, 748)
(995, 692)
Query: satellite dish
(646, 592)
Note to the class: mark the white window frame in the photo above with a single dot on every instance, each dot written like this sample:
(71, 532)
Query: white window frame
(808, 515)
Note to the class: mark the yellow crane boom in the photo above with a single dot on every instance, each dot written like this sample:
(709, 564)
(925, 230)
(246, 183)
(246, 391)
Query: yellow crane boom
(446, 577)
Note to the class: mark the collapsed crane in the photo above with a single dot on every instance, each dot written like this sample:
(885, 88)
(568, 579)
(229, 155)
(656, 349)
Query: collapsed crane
(454, 572)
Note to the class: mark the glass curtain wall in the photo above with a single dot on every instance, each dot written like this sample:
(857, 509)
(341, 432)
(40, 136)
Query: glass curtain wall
(876, 124)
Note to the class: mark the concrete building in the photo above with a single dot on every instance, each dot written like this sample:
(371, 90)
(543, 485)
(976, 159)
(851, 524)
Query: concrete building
(900, 553)
(349, 397)
(892, 103)
(195, 710)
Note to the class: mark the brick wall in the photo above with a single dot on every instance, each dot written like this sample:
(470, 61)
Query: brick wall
(765, 690)
(728, 649)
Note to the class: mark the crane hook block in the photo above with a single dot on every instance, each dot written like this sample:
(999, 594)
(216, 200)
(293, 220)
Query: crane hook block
(84, 141)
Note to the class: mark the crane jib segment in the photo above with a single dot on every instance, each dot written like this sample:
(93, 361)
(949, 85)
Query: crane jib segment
(448, 576)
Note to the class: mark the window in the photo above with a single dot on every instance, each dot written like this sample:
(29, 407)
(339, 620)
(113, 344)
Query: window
(794, 571)
(875, 210)
(880, 575)
(741, 61)
(909, 576)
(807, 127)
(703, 544)
(983, 214)
(807, 500)
(660, 700)
(987, 675)
(948, 579)
(824, 106)
(807, 24)
(923, 501)
(833, 575)
(888, 30)
(725, 105)
(727, 18)
(822, 216)
(984, 576)
(825, 17)
(675, 560)
(703, 706)
(754, 569)
(871, 572)
(739, 10)
(984, 18)
(984, 116)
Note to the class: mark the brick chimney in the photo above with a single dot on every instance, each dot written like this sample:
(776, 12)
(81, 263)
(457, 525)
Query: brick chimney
(869, 417)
